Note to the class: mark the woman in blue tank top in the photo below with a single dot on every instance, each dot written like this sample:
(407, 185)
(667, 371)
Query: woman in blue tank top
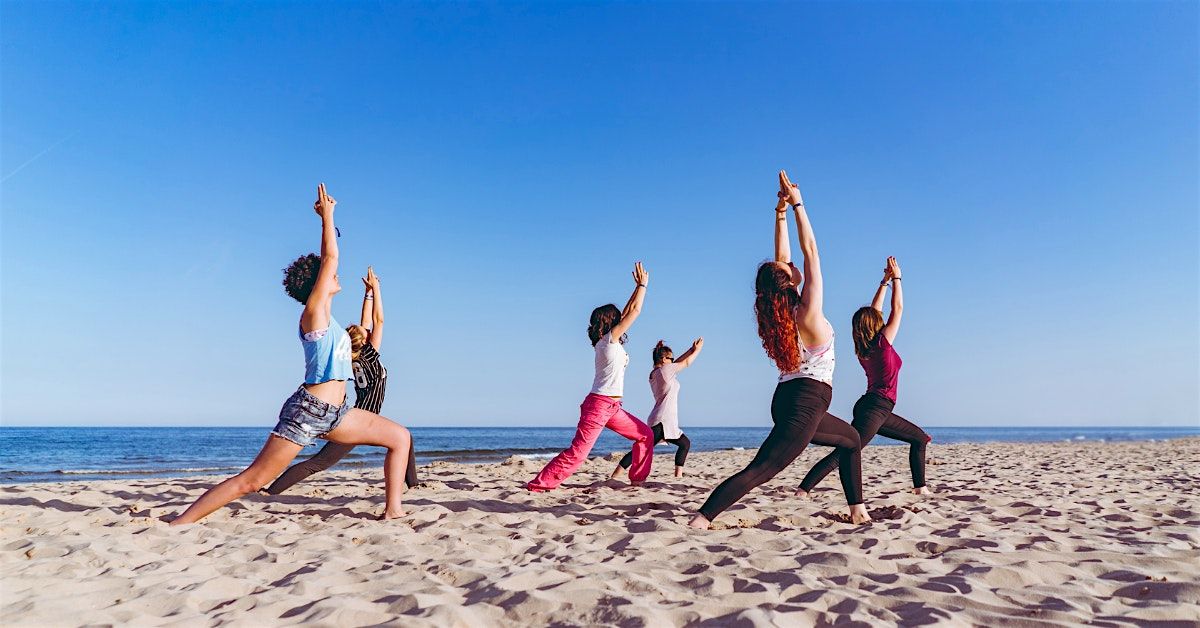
(318, 408)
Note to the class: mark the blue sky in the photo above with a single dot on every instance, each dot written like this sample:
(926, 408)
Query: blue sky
(1033, 167)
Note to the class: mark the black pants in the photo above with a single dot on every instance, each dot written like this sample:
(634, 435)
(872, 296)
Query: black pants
(329, 455)
(799, 410)
(684, 445)
(873, 415)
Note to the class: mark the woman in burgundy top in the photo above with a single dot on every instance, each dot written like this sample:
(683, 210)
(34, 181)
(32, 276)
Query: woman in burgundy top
(873, 411)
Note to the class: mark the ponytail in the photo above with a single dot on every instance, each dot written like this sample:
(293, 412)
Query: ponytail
(660, 350)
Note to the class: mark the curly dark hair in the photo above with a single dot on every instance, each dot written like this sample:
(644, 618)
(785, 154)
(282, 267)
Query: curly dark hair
(301, 275)
(603, 319)
(775, 300)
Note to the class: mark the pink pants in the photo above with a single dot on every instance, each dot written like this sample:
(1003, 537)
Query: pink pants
(596, 413)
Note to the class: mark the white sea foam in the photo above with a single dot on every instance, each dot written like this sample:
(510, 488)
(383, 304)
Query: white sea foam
(138, 471)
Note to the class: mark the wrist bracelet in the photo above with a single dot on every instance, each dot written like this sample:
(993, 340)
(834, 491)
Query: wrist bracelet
(895, 279)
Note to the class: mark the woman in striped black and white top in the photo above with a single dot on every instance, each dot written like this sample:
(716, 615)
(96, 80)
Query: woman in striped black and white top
(370, 384)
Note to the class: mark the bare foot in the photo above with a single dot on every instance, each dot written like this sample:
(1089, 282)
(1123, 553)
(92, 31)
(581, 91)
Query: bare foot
(616, 473)
(922, 490)
(858, 514)
(678, 472)
(633, 484)
(699, 523)
(803, 494)
(395, 514)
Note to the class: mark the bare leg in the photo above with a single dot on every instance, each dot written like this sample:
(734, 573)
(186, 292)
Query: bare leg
(360, 427)
(271, 461)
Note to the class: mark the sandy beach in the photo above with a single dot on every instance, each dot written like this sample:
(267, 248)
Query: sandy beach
(1016, 534)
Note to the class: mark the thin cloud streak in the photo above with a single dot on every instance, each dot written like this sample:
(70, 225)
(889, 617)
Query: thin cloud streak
(37, 157)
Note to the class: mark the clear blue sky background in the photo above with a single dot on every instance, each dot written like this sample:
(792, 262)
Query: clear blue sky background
(1033, 166)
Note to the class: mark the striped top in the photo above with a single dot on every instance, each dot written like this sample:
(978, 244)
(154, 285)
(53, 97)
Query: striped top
(370, 380)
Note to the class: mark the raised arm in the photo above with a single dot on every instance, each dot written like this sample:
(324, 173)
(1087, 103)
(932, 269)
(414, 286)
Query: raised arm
(877, 300)
(364, 319)
(812, 294)
(783, 245)
(376, 338)
(690, 355)
(634, 306)
(892, 327)
(316, 309)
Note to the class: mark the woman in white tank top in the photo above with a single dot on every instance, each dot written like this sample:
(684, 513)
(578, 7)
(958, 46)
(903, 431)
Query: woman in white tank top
(602, 406)
(799, 339)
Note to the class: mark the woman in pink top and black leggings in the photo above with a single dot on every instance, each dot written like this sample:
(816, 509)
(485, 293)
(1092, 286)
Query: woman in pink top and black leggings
(799, 339)
(602, 407)
(873, 412)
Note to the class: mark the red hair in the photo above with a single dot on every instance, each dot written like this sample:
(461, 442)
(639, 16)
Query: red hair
(775, 302)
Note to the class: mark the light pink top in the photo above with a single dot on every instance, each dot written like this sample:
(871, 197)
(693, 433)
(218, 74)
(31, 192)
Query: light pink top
(665, 386)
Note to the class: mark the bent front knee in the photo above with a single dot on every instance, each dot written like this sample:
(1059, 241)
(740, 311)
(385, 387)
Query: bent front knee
(400, 437)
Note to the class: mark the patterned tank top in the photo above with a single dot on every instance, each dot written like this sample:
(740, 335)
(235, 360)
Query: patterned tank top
(815, 362)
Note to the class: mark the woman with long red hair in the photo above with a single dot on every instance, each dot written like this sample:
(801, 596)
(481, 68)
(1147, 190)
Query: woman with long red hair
(799, 339)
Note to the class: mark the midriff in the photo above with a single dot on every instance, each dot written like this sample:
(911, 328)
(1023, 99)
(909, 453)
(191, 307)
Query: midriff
(332, 392)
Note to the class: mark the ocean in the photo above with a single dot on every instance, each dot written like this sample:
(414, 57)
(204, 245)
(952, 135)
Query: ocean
(58, 454)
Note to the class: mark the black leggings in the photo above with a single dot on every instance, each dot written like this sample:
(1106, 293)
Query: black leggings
(327, 457)
(873, 415)
(684, 445)
(799, 410)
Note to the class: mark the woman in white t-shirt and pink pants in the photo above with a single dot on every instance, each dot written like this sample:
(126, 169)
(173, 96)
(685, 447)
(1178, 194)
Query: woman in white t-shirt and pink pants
(664, 418)
(602, 407)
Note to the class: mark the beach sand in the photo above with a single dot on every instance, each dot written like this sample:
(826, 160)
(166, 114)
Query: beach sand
(1016, 534)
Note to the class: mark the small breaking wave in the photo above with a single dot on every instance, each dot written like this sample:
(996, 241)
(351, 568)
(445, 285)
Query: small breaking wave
(137, 471)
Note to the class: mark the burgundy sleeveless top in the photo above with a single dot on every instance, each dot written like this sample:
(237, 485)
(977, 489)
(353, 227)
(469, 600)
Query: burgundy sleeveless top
(882, 365)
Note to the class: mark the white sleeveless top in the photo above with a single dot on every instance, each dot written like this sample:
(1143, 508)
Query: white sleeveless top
(665, 386)
(815, 362)
(611, 360)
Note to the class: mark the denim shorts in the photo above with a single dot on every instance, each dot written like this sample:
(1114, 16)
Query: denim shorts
(304, 418)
